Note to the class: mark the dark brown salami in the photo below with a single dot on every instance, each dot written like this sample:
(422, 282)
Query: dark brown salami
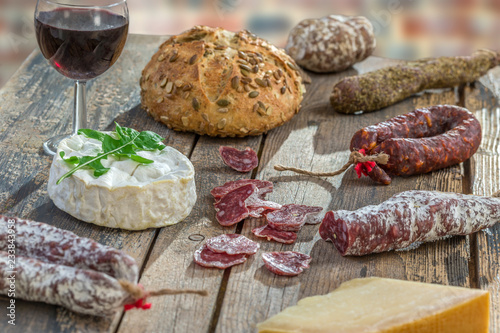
(80, 290)
(378, 89)
(421, 141)
(287, 263)
(264, 187)
(239, 160)
(408, 219)
(61, 247)
(285, 237)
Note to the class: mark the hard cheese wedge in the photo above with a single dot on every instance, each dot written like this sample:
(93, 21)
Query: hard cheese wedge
(389, 306)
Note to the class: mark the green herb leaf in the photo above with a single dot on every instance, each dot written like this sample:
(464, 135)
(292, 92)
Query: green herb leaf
(128, 142)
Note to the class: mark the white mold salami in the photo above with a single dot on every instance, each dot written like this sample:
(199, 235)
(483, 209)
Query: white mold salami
(61, 247)
(408, 218)
(232, 244)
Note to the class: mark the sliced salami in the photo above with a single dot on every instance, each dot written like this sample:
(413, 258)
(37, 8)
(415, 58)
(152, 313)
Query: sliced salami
(264, 187)
(291, 217)
(239, 160)
(206, 258)
(232, 244)
(231, 208)
(254, 201)
(57, 246)
(406, 219)
(285, 237)
(289, 263)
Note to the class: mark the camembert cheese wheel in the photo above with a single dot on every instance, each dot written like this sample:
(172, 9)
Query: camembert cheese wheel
(130, 195)
(376, 305)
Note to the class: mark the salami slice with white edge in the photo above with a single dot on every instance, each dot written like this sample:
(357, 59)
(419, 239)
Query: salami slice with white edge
(231, 208)
(264, 187)
(285, 237)
(407, 219)
(291, 217)
(206, 258)
(239, 160)
(289, 263)
(232, 244)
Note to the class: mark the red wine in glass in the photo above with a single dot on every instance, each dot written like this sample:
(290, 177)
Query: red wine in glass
(81, 44)
(81, 39)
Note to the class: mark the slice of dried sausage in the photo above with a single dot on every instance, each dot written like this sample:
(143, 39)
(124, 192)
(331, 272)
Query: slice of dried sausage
(408, 219)
(57, 246)
(231, 208)
(264, 187)
(291, 217)
(285, 237)
(289, 263)
(206, 258)
(421, 141)
(239, 160)
(232, 244)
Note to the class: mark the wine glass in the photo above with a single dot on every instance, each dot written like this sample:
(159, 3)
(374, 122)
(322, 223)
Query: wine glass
(81, 39)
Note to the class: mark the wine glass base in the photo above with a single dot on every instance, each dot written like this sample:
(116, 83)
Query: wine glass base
(50, 146)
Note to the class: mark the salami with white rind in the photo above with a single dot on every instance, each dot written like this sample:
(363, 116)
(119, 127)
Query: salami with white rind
(291, 217)
(407, 219)
(61, 247)
(264, 187)
(289, 263)
(232, 244)
(206, 258)
(285, 237)
(79, 290)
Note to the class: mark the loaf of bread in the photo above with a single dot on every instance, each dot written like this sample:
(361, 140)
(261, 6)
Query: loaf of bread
(332, 43)
(220, 83)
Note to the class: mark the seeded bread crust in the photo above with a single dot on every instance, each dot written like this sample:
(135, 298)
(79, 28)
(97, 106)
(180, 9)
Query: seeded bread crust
(220, 83)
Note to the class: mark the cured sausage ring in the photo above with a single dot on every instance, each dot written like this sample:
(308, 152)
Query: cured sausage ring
(421, 141)
(418, 142)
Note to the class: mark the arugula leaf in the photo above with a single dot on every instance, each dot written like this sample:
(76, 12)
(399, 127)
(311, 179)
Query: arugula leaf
(126, 145)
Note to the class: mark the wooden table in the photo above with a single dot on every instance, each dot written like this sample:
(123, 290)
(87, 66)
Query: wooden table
(36, 104)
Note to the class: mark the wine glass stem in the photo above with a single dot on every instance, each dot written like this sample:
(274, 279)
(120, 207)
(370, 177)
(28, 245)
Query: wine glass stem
(80, 109)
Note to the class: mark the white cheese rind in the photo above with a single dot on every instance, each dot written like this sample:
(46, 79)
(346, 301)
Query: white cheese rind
(130, 195)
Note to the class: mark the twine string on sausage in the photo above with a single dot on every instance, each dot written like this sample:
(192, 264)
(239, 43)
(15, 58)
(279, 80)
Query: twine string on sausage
(140, 295)
(356, 158)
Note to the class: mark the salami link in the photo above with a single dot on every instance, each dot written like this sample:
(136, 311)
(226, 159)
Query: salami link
(56, 246)
(378, 89)
(80, 290)
(408, 219)
(421, 141)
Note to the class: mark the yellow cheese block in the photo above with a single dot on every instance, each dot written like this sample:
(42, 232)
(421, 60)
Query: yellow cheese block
(377, 305)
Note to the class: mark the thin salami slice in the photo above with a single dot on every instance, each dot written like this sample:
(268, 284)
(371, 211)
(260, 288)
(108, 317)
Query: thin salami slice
(57, 246)
(256, 212)
(289, 263)
(264, 187)
(239, 160)
(206, 258)
(291, 217)
(254, 201)
(232, 244)
(285, 237)
(82, 290)
(231, 208)
(407, 219)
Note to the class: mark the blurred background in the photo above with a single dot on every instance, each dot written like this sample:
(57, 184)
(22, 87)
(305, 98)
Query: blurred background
(405, 29)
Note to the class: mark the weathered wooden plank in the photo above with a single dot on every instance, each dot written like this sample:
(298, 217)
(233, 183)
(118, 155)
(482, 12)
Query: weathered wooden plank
(485, 168)
(35, 105)
(171, 265)
(318, 139)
